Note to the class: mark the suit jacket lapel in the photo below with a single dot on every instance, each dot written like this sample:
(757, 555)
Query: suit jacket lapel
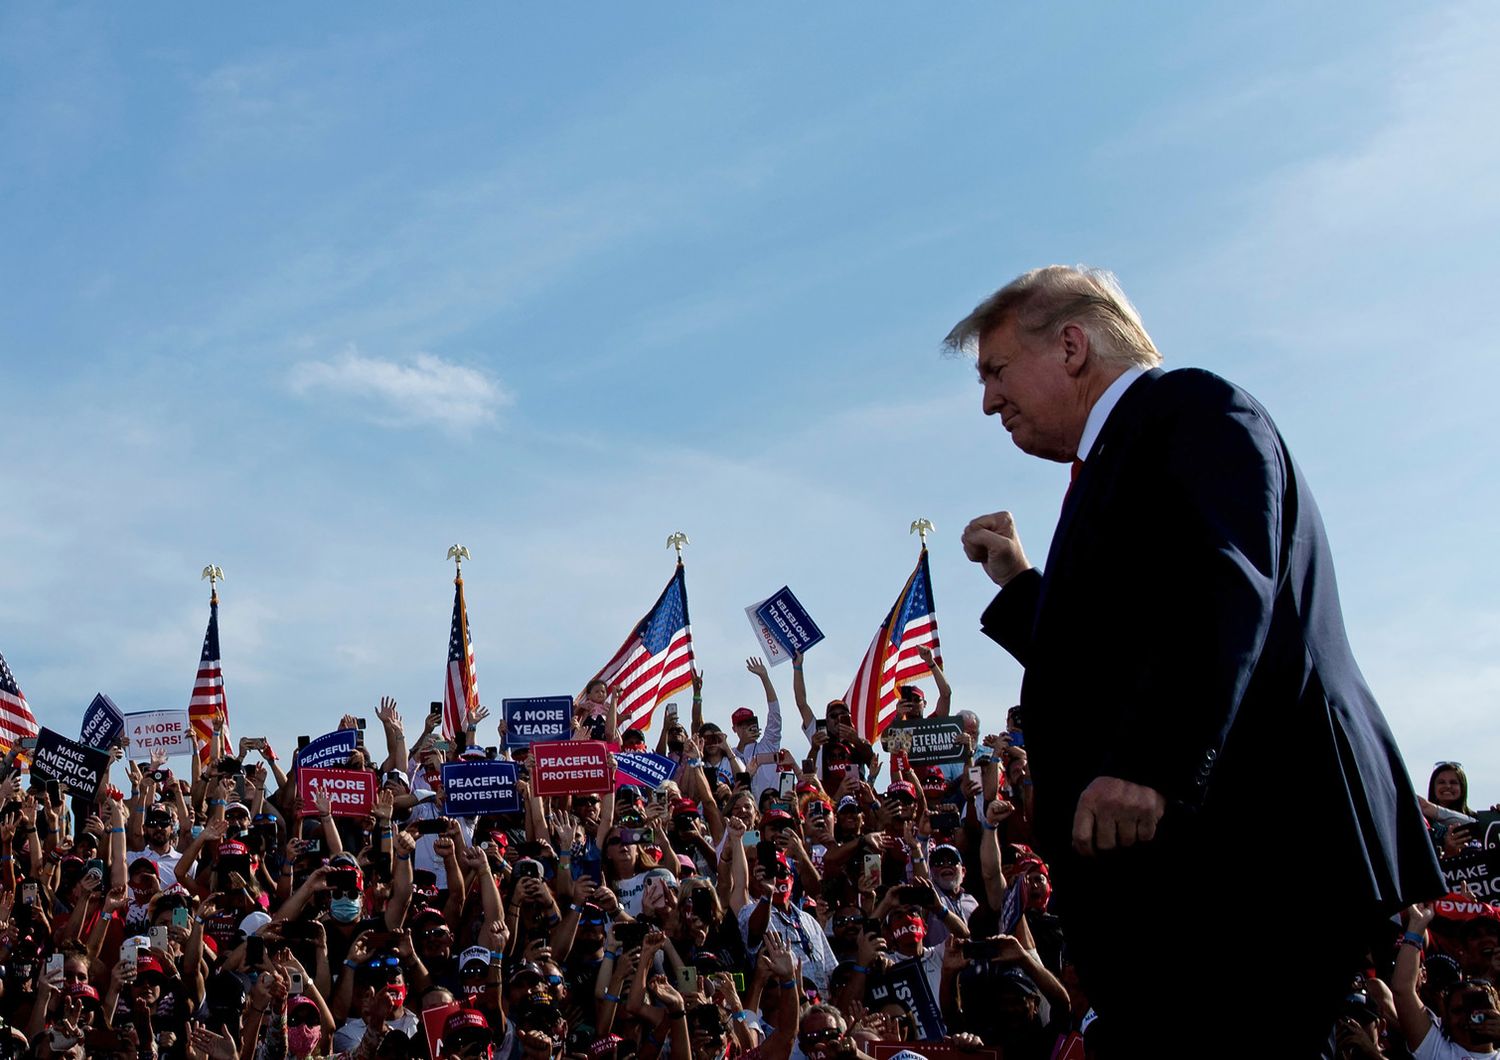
(1122, 420)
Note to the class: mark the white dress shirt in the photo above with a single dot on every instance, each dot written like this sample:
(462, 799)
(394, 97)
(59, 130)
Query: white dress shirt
(1104, 406)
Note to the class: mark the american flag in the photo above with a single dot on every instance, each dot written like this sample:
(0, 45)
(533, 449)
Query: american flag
(16, 719)
(461, 689)
(892, 659)
(208, 690)
(656, 660)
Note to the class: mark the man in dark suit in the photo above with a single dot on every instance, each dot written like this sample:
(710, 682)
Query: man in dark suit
(1226, 814)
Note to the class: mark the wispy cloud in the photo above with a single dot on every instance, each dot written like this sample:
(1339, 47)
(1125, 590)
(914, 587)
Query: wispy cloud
(425, 391)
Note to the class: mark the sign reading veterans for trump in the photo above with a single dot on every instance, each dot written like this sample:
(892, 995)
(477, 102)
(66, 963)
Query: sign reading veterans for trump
(788, 621)
(330, 749)
(573, 767)
(934, 741)
(538, 719)
(167, 731)
(102, 723)
(351, 792)
(641, 767)
(472, 789)
(69, 762)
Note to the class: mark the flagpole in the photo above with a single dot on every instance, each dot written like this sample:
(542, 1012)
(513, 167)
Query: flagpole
(214, 574)
(922, 527)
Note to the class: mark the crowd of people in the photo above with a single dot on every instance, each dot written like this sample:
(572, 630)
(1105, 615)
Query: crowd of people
(805, 895)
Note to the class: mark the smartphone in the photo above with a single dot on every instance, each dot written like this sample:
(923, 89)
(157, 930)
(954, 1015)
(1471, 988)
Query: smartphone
(359, 723)
(872, 867)
(981, 949)
(180, 917)
(630, 934)
(303, 741)
(711, 776)
(130, 951)
(343, 880)
(55, 970)
(296, 983)
(94, 867)
(528, 869)
(913, 894)
(632, 835)
(312, 846)
(442, 745)
(159, 936)
(742, 779)
(687, 979)
(820, 725)
(54, 791)
(492, 753)
(435, 709)
(28, 743)
(752, 837)
(672, 710)
(28, 893)
(432, 826)
(944, 821)
(787, 785)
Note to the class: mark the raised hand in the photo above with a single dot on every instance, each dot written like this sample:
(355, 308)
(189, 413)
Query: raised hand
(386, 712)
(476, 715)
(697, 682)
(757, 666)
(323, 800)
(925, 653)
(992, 541)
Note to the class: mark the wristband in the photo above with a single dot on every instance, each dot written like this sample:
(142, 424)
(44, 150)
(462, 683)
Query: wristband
(987, 826)
(497, 955)
(350, 964)
(612, 997)
(610, 955)
(7, 857)
(677, 1015)
(1412, 938)
(694, 763)
(741, 1016)
(790, 984)
(861, 969)
(117, 831)
(138, 809)
(403, 857)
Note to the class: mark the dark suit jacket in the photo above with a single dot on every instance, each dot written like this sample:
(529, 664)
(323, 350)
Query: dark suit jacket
(1186, 635)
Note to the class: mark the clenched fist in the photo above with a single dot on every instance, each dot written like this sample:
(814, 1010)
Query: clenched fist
(992, 541)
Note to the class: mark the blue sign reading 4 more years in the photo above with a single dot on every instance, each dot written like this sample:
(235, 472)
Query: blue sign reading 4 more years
(478, 787)
(789, 621)
(102, 723)
(537, 719)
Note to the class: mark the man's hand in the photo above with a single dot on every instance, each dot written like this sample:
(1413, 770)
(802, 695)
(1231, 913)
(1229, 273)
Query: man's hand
(992, 540)
(1115, 813)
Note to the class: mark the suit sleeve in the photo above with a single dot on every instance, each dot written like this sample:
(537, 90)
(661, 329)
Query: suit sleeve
(1009, 619)
(1206, 597)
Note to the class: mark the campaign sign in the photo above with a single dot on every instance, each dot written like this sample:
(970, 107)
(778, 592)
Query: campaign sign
(327, 751)
(83, 769)
(433, 1021)
(907, 983)
(774, 651)
(102, 723)
(648, 770)
(940, 1051)
(1480, 869)
(351, 791)
(1487, 830)
(572, 767)
(537, 719)
(934, 741)
(475, 788)
(788, 621)
(166, 731)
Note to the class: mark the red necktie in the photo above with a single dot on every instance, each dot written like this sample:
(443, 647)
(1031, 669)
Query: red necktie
(1072, 478)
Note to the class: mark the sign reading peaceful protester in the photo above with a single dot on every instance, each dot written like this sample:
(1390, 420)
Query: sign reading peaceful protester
(788, 621)
(328, 750)
(774, 651)
(166, 731)
(472, 789)
(934, 741)
(102, 723)
(351, 792)
(572, 767)
(69, 762)
(640, 767)
(537, 719)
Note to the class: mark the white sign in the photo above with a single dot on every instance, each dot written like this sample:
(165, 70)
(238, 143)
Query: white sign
(775, 654)
(158, 730)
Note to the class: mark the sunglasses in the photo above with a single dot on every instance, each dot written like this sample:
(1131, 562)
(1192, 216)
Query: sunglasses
(827, 1034)
(383, 962)
(309, 1019)
(944, 861)
(1447, 765)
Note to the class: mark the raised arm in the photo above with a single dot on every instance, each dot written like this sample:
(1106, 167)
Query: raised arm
(772, 735)
(945, 690)
(799, 691)
(395, 734)
(1410, 1011)
(697, 701)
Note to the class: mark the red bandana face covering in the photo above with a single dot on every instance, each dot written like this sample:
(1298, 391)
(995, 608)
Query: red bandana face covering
(783, 888)
(904, 927)
(397, 993)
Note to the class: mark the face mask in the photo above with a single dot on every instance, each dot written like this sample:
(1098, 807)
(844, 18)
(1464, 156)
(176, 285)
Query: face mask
(908, 928)
(783, 887)
(397, 993)
(345, 910)
(301, 1041)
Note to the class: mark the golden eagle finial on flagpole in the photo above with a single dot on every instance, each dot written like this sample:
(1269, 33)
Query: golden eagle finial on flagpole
(922, 527)
(214, 574)
(458, 553)
(677, 540)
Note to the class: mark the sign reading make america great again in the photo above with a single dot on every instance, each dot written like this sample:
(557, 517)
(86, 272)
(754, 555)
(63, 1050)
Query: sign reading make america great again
(69, 762)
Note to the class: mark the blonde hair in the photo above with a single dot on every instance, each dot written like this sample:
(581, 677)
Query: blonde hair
(1044, 300)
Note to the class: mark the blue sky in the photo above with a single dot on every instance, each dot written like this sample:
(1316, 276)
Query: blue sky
(312, 292)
